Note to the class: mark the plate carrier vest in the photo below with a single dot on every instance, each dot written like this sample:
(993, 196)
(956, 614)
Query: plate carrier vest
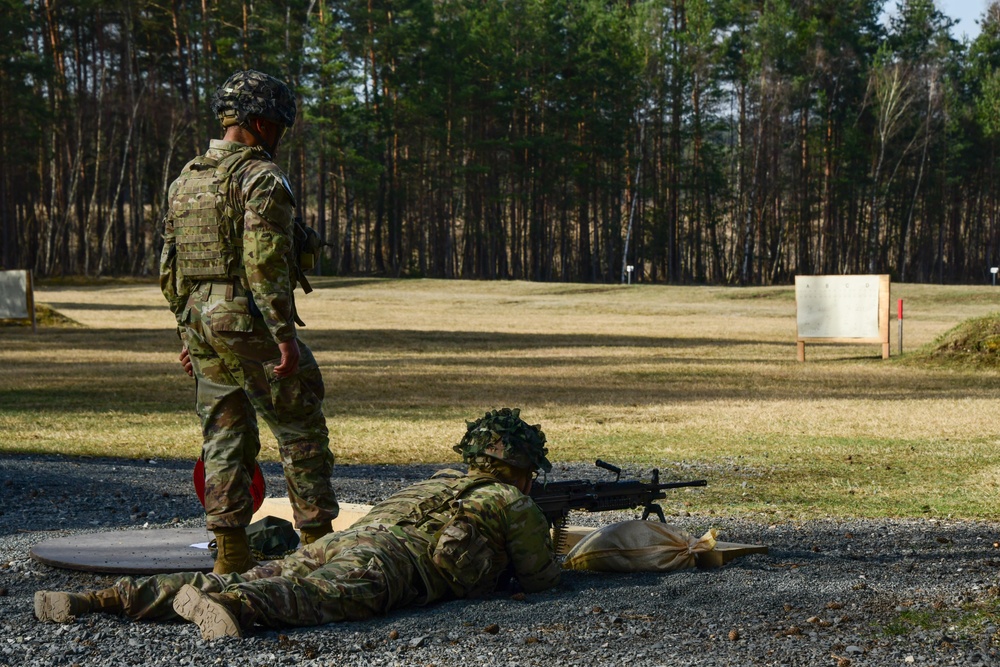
(207, 228)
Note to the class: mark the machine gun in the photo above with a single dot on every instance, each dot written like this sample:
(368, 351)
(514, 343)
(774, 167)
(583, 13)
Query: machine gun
(556, 499)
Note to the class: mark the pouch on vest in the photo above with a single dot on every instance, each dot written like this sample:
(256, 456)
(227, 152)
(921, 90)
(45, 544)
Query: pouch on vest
(464, 556)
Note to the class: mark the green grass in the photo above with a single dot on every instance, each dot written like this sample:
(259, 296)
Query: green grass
(972, 343)
(698, 381)
(961, 622)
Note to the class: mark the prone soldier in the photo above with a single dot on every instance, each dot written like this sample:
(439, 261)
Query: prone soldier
(454, 535)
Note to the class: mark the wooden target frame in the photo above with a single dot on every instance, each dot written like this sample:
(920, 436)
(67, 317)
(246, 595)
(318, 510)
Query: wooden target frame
(842, 309)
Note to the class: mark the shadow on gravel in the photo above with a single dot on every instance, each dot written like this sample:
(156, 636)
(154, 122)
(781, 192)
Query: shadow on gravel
(42, 493)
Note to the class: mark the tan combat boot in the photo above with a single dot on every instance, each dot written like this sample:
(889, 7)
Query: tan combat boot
(311, 534)
(233, 551)
(60, 607)
(211, 611)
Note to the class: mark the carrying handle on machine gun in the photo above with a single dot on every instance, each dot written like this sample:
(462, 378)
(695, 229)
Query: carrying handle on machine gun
(615, 469)
(651, 507)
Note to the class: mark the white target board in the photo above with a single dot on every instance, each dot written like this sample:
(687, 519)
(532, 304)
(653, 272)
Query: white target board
(842, 309)
(16, 299)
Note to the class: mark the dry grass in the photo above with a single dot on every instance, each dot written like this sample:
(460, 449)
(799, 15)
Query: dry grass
(700, 381)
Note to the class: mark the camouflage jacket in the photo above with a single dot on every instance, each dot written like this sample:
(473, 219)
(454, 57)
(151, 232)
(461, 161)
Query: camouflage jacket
(466, 530)
(260, 190)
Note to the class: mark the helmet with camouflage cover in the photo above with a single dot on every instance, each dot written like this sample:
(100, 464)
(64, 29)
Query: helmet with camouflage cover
(504, 436)
(253, 94)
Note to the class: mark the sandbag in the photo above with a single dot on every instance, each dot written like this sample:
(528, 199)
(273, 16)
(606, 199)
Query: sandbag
(638, 546)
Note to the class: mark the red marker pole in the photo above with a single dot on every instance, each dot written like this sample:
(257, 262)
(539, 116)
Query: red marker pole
(899, 317)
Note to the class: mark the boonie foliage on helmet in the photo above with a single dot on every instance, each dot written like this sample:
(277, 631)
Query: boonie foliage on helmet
(504, 436)
(249, 93)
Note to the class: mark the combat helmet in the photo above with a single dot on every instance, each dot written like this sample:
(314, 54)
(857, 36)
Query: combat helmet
(249, 93)
(504, 436)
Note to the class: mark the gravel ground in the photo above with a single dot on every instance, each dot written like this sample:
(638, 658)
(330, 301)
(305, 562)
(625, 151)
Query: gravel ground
(842, 593)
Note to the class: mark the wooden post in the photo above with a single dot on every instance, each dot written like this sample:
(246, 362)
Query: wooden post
(30, 299)
(883, 313)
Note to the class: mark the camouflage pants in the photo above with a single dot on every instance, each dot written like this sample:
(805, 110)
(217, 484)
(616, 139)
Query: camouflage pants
(233, 356)
(352, 575)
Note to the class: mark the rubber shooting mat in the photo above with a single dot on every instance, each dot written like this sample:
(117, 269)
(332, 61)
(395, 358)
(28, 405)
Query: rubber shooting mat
(156, 551)
(129, 551)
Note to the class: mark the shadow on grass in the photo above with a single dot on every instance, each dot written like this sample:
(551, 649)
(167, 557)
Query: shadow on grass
(48, 344)
(390, 340)
(409, 370)
(409, 340)
(377, 340)
(394, 392)
(332, 282)
(76, 305)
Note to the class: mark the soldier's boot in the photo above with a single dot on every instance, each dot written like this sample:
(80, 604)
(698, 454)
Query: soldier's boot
(60, 607)
(233, 551)
(216, 614)
(313, 533)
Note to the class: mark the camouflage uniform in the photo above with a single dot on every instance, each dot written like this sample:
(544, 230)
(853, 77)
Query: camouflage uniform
(231, 327)
(448, 537)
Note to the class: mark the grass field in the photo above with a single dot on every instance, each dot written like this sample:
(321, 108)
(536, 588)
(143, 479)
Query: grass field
(699, 381)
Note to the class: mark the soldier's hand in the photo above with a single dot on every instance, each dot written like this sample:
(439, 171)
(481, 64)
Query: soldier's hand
(289, 358)
(185, 360)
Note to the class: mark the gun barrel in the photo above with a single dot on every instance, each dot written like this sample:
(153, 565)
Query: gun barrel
(677, 485)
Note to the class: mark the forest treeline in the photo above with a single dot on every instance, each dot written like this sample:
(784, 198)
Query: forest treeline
(699, 141)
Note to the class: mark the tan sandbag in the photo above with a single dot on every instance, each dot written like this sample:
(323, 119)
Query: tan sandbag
(638, 546)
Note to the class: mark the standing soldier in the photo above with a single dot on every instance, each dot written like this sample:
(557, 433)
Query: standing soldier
(455, 535)
(228, 271)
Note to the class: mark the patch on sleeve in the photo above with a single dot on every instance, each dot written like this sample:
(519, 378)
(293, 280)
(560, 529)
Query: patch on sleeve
(288, 188)
(271, 199)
